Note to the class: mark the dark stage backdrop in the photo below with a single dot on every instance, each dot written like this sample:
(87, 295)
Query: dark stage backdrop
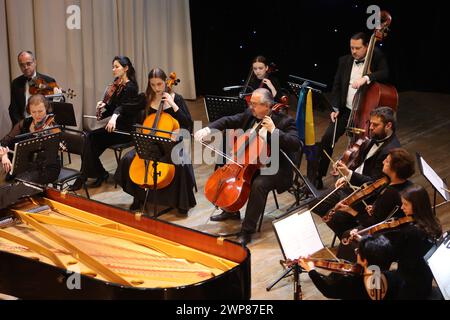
(305, 38)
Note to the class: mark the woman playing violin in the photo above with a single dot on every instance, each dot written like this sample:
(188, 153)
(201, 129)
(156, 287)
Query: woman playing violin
(179, 194)
(38, 107)
(123, 105)
(263, 76)
(412, 241)
(398, 167)
(365, 285)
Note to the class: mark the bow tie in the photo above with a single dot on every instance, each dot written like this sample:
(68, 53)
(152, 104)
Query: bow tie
(359, 61)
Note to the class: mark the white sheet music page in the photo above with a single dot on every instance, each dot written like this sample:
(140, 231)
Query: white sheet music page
(298, 235)
(435, 180)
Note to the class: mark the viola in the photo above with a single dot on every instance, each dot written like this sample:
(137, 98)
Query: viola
(156, 121)
(229, 186)
(114, 89)
(362, 193)
(385, 225)
(45, 123)
(40, 86)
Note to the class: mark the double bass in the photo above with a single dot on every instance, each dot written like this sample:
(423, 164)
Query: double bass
(156, 121)
(229, 186)
(368, 97)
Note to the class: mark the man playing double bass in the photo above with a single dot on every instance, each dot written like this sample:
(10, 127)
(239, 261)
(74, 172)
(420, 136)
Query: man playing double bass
(277, 125)
(347, 81)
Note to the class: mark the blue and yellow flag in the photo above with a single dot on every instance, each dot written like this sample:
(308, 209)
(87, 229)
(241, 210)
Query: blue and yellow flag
(305, 123)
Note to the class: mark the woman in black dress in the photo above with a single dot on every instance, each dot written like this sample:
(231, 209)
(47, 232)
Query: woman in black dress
(263, 77)
(179, 193)
(123, 105)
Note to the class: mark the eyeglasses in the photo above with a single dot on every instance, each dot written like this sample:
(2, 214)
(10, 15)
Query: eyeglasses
(26, 64)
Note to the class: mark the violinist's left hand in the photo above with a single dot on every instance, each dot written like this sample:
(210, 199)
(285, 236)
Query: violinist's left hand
(111, 126)
(167, 97)
(345, 208)
(57, 90)
(305, 264)
(268, 124)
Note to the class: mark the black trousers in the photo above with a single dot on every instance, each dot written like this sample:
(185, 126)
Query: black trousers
(96, 143)
(261, 186)
(327, 141)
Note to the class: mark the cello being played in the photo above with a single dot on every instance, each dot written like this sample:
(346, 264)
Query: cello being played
(279, 127)
(174, 112)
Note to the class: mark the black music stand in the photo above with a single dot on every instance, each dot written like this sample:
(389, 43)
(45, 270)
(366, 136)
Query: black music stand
(35, 155)
(64, 114)
(158, 150)
(439, 185)
(218, 107)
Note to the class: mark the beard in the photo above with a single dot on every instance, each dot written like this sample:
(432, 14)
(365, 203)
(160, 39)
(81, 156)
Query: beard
(379, 136)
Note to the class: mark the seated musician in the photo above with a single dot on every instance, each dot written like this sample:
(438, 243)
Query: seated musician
(371, 156)
(20, 86)
(123, 107)
(284, 127)
(179, 193)
(263, 77)
(372, 251)
(412, 241)
(398, 167)
(37, 107)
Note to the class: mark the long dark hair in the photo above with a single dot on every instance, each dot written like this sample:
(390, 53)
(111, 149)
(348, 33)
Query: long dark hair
(126, 62)
(261, 59)
(423, 213)
(154, 73)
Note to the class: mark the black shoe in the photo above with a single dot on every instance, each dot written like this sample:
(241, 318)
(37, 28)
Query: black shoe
(226, 215)
(318, 183)
(244, 238)
(98, 182)
(136, 205)
(77, 185)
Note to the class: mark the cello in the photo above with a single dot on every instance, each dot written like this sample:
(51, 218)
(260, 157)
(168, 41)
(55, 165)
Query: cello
(229, 186)
(156, 121)
(373, 95)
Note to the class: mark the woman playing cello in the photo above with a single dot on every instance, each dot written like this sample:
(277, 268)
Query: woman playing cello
(179, 193)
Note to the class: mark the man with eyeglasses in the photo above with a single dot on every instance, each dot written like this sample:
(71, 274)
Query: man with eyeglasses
(20, 86)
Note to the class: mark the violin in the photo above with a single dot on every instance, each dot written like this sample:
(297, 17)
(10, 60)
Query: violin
(40, 86)
(229, 186)
(335, 266)
(45, 123)
(386, 225)
(365, 191)
(156, 121)
(114, 89)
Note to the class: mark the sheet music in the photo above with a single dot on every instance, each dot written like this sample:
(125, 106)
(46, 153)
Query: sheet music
(438, 263)
(298, 235)
(434, 179)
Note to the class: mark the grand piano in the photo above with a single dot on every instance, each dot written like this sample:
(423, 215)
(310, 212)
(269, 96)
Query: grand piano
(60, 246)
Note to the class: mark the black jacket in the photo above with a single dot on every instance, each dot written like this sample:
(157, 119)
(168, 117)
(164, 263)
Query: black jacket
(17, 106)
(288, 140)
(380, 73)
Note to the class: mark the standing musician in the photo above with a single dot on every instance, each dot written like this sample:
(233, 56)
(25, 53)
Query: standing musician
(284, 127)
(20, 86)
(123, 104)
(179, 194)
(347, 81)
(372, 251)
(37, 107)
(368, 164)
(261, 76)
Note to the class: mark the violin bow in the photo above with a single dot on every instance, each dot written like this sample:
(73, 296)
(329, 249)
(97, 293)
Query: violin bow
(345, 177)
(220, 153)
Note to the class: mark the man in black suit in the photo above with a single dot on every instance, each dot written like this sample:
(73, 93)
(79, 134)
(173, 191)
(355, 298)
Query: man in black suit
(20, 86)
(277, 126)
(347, 81)
(367, 168)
